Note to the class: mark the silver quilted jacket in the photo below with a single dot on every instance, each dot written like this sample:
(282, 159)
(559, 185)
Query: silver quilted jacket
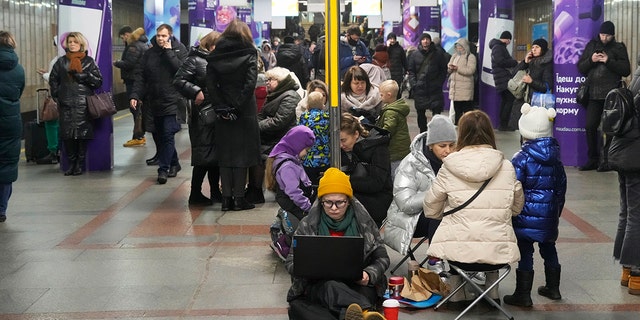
(413, 179)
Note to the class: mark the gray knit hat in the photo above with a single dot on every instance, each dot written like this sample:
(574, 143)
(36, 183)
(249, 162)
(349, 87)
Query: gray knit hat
(441, 129)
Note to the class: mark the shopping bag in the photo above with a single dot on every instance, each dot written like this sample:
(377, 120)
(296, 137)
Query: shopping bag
(546, 99)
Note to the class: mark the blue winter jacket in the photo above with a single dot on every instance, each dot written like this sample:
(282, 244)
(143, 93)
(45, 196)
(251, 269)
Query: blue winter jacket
(539, 169)
(346, 54)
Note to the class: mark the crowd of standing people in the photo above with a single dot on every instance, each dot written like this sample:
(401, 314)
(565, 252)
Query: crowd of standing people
(385, 179)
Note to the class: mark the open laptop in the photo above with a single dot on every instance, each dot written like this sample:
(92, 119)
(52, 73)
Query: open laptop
(327, 257)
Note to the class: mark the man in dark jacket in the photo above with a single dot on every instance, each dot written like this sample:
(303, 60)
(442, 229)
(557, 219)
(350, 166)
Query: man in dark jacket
(604, 61)
(135, 46)
(427, 71)
(290, 56)
(154, 85)
(501, 61)
(397, 61)
(352, 51)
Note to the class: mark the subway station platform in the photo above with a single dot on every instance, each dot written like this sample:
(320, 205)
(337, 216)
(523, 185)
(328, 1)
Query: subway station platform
(116, 245)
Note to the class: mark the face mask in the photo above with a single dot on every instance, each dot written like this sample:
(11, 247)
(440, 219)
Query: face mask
(352, 42)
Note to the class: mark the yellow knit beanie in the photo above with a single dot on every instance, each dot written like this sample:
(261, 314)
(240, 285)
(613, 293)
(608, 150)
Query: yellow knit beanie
(334, 181)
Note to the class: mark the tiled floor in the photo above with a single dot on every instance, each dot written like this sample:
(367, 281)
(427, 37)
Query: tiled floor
(114, 244)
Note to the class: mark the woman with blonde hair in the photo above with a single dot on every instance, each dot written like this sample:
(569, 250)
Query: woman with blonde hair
(74, 77)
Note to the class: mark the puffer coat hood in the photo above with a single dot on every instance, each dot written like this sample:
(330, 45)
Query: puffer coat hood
(461, 81)
(482, 232)
(539, 169)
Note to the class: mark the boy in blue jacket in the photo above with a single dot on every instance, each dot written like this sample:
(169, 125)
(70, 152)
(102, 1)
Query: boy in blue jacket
(539, 169)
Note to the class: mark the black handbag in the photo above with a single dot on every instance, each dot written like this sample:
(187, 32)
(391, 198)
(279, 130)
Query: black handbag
(100, 105)
(582, 95)
(207, 115)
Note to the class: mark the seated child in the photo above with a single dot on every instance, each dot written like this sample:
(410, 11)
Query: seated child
(393, 118)
(317, 119)
(285, 176)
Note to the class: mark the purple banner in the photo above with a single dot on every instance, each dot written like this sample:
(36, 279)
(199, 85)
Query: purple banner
(454, 22)
(93, 19)
(576, 23)
(496, 16)
(416, 21)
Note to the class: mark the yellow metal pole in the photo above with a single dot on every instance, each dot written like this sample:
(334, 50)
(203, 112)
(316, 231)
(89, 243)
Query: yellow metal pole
(332, 70)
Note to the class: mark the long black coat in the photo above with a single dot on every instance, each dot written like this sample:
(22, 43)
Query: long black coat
(501, 61)
(397, 62)
(604, 76)
(190, 79)
(426, 84)
(232, 72)
(154, 78)
(71, 94)
(374, 190)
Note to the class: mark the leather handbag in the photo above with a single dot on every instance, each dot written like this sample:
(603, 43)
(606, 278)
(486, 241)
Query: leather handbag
(582, 95)
(49, 110)
(207, 115)
(516, 86)
(100, 105)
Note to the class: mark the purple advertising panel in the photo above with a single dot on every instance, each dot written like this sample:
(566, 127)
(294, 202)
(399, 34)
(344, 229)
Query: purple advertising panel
(576, 22)
(496, 16)
(157, 12)
(201, 19)
(93, 19)
(416, 21)
(454, 22)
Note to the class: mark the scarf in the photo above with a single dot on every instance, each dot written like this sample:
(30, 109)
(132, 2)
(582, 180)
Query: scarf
(76, 60)
(349, 224)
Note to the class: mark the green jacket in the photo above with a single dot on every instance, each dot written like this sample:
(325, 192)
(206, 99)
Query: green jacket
(393, 118)
(12, 83)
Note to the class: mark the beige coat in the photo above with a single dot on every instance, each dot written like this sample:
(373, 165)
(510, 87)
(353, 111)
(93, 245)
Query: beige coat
(482, 231)
(461, 83)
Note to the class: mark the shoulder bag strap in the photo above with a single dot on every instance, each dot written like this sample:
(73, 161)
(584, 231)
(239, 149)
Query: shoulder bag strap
(460, 207)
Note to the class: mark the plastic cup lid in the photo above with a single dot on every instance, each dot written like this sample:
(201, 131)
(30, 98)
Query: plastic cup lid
(391, 303)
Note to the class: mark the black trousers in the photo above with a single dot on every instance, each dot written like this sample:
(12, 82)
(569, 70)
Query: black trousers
(233, 181)
(506, 105)
(594, 116)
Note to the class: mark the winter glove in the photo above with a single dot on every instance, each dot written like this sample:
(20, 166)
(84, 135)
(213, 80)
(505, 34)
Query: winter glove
(80, 76)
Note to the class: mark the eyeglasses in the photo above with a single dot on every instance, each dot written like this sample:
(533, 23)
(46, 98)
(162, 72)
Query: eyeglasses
(339, 204)
(271, 79)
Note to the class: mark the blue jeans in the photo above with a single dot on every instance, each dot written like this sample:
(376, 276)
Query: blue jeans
(166, 127)
(5, 194)
(547, 251)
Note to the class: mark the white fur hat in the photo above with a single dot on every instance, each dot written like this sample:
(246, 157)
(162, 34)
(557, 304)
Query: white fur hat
(536, 122)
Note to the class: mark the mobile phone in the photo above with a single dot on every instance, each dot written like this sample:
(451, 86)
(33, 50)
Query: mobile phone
(599, 51)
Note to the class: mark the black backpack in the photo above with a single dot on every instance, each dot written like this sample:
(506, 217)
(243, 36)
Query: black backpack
(618, 112)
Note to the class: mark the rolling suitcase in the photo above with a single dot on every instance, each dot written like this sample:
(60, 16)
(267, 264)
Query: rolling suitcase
(35, 137)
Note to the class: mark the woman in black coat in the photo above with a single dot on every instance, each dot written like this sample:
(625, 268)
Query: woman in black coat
(539, 63)
(365, 158)
(74, 77)
(191, 81)
(232, 72)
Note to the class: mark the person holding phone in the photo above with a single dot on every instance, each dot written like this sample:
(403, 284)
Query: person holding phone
(539, 64)
(605, 62)
(352, 50)
(153, 84)
(461, 69)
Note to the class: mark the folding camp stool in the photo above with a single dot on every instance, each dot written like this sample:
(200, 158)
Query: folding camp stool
(467, 271)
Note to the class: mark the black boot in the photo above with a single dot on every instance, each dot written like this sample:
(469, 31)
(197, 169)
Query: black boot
(552, 289)
(240, 203)
(71, 147)
(51, 158)
(227, 203)
(214, 183)
(522, 295)
(197, 198)
(82, 155)
(254, 195)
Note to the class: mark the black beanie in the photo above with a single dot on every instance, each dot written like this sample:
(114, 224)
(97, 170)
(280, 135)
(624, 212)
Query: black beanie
(542, 43)
(607, 27)
(506, 35)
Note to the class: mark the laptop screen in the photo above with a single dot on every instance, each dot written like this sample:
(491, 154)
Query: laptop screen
(328, 258)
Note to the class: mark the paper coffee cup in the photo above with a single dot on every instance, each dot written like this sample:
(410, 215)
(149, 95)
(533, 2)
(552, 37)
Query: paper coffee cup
(391, 308)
